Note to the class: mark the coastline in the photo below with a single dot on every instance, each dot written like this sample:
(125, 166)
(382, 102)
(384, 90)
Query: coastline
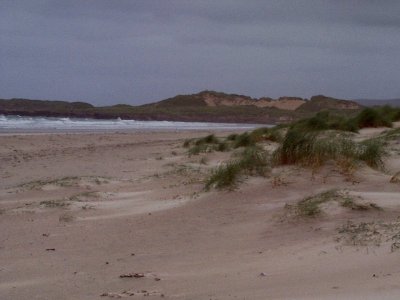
(18, 124)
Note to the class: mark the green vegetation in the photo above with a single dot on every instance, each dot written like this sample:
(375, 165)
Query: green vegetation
(313, 149)
(209, 139)
(349, 202)
(309, 142)
(368, 117)
(224, 176)
(371, 117)
(244, 140)
(67, 181)
(251, 161)
(54, 203)
(372, 153)
(273, 134)
(254, 161)
(325, 121)
(391, 113)
(310, 206)
(211, 143)
(206, 144)
(371, 234)
(389, 135)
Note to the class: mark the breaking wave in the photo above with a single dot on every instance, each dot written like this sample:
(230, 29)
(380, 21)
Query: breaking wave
(23, 123)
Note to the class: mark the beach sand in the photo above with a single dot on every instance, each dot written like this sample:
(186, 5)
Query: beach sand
(80, 210)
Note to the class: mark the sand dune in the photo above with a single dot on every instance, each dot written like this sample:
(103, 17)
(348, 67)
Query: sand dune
(79, 210)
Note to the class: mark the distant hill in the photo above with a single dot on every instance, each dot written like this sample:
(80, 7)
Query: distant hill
(28, 104)
(378, 102)
(321, 102)
(214, 99)
(206, 106)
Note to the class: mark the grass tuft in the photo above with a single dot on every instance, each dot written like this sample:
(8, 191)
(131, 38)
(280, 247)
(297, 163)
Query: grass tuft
(206, 144)
(372, 153)
(326, 121)
(313, 149)
(244, 140)
(309, 206)
(371, 117)
(252, 161)
(224, 176)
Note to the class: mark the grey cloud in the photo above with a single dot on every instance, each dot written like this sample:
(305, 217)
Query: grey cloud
(107, 51)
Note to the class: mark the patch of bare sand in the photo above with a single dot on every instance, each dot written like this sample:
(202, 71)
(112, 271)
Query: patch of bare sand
(74, 240)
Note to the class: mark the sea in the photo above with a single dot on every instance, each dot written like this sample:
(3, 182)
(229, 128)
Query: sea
(12, 123)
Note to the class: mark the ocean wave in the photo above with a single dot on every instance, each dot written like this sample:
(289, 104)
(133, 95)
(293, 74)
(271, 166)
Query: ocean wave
(53, 123)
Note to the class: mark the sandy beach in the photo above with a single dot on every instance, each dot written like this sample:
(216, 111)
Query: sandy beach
(125, 215)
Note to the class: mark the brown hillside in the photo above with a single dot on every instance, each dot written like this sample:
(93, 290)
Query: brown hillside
(214, 99)
(321, 102)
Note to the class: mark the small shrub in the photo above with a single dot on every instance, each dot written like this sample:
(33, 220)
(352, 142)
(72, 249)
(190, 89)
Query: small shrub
(206, 144)
(244, 140)
(372, 153)
(348, 167)
(391, 134)
(252, 161)
(222, 147)
(325, 121)
(232, 137)
(391, 113)
(267, 134)
(318, 122)
(344, 124)
(224, 176)
(313, 149)
(186, 143)
(354, 205)
(310, 206)
(54, 203)
(299, 147)
(370, 117)
(209, 139)
(197, 149)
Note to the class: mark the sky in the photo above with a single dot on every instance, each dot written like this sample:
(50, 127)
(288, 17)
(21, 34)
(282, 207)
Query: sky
(140, 51)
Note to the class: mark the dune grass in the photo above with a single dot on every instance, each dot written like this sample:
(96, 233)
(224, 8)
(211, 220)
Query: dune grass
(368, 117)
(205, 144)
(251, 161)
(391, 134)
(273, 134)
(372, 152)
(326, 121)
(313, 149)
(244, 140)
(311, 206)
(224, 176)
(371, 117)
(308, 142)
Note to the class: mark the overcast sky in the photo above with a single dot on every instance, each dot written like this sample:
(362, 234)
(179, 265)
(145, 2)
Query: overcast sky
(139, 51)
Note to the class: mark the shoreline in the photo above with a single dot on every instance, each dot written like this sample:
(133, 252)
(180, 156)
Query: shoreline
(123, 132)
(61, 125)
